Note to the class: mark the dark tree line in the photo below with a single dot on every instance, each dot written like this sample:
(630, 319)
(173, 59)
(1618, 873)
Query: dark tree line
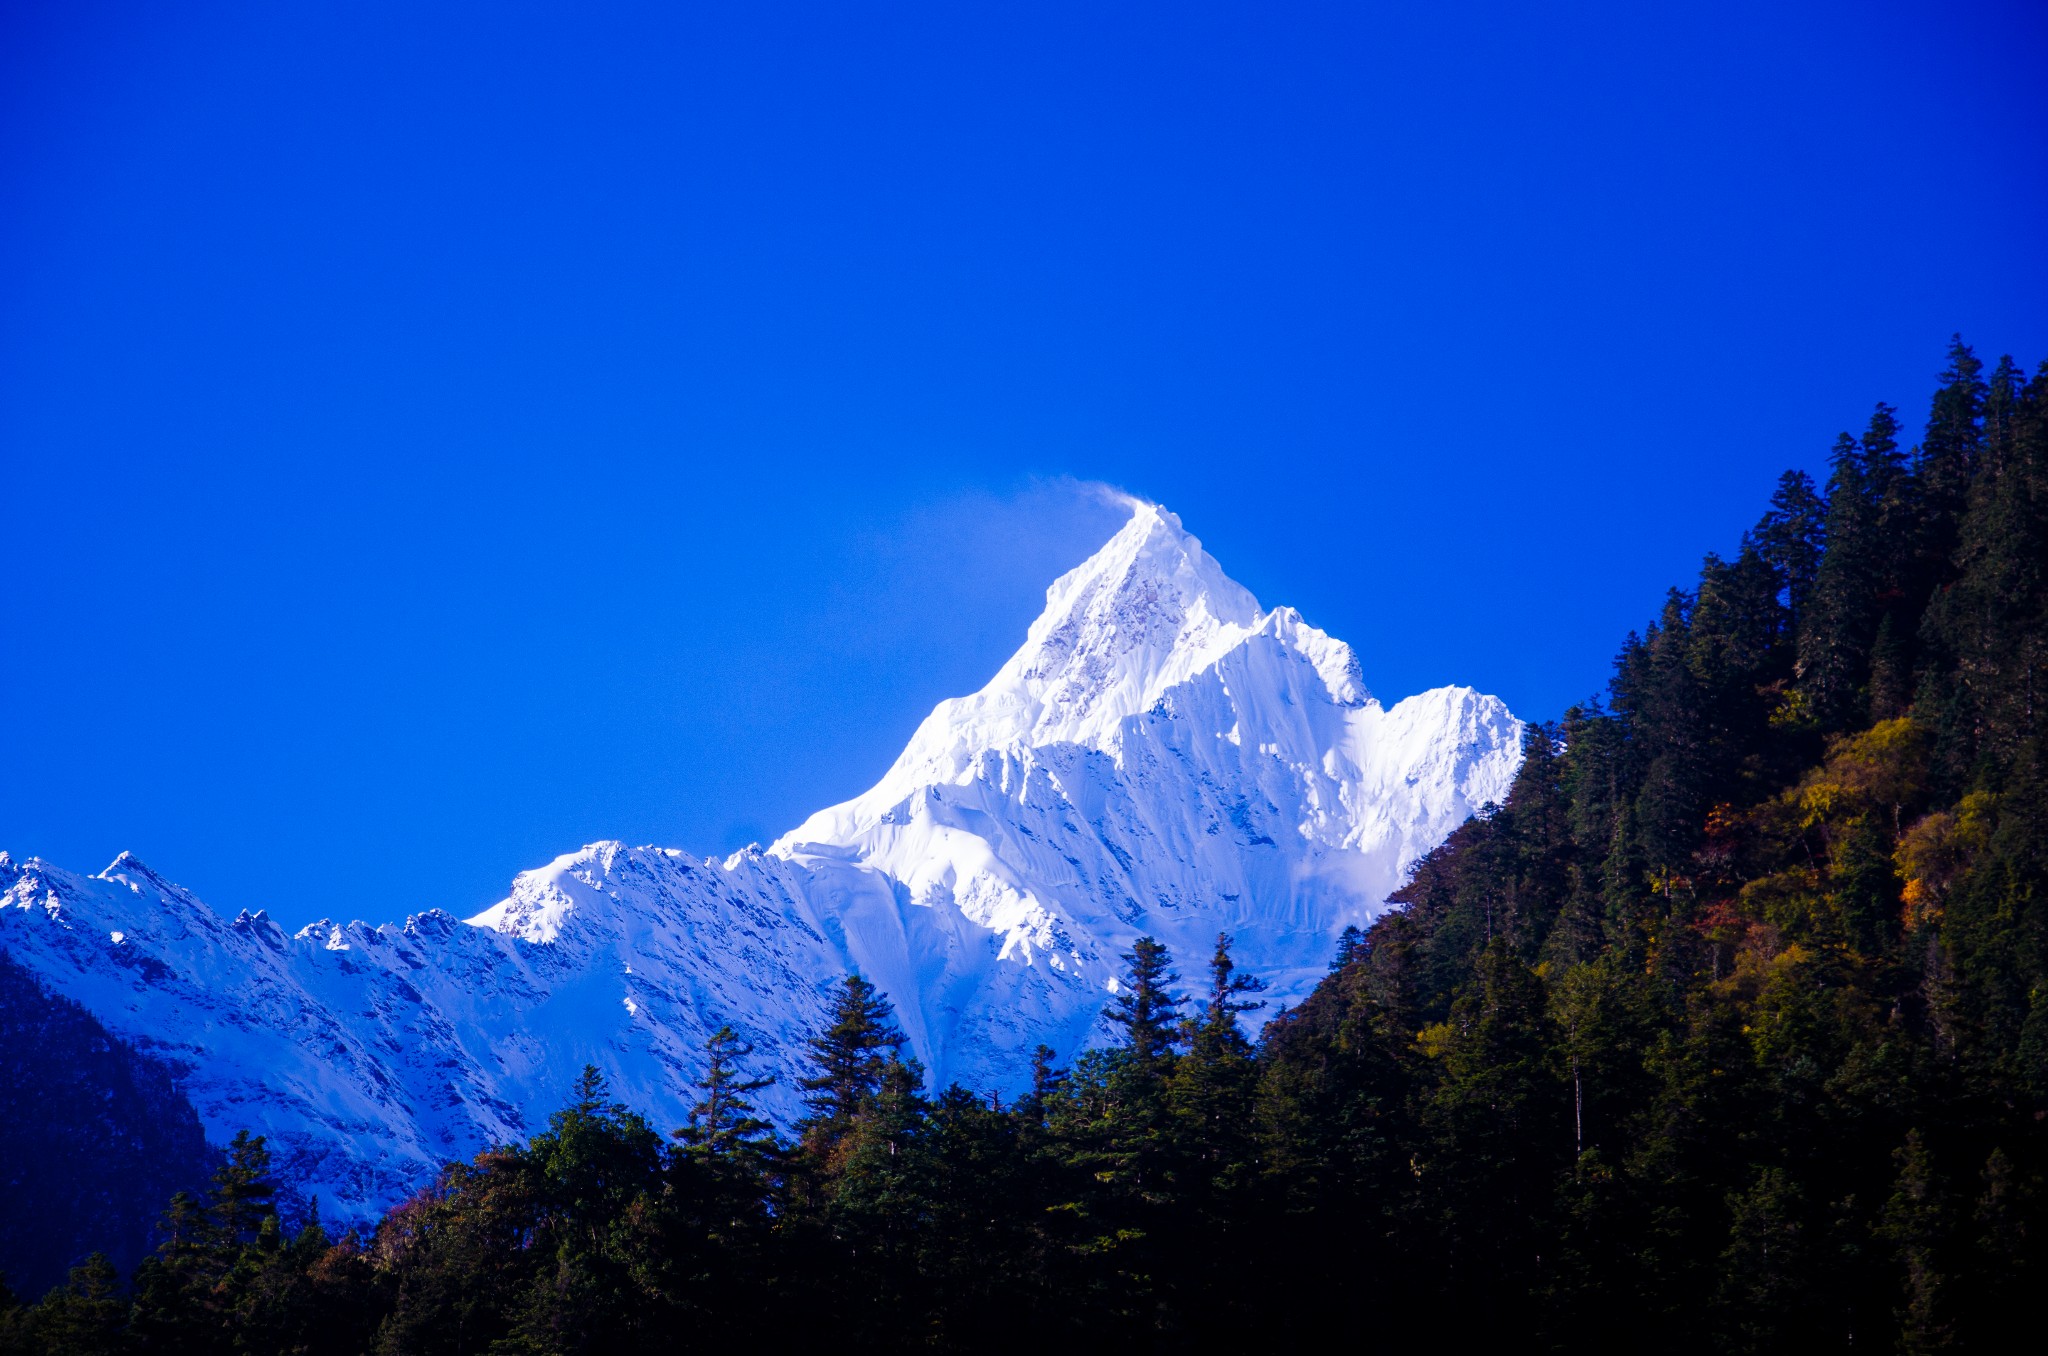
(1727, 1032)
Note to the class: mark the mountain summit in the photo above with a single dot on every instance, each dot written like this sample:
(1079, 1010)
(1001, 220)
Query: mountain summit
(1162, 756)
(1146, 612)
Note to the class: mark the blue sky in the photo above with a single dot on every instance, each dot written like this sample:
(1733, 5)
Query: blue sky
(436, 436)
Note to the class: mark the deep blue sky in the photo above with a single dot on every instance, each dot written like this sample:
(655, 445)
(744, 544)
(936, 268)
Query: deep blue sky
(435, 436)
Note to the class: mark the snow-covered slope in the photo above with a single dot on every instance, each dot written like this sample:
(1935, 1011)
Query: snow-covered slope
(1162, 756)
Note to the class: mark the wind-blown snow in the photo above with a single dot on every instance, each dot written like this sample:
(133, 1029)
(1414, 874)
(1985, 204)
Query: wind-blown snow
(1161, 756)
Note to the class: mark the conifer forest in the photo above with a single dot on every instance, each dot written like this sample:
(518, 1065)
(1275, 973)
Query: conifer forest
(1727, 1032)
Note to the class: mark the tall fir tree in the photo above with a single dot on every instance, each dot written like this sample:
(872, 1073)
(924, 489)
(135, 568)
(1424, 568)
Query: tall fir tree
(1790, 538)
(723, 1124)
(852, 1056)
(1213, 1082)
(1842, 618)
(1948, 453)
(1145, 1005)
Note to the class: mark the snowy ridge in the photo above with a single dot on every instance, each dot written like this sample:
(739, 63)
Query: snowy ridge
(1161, 756)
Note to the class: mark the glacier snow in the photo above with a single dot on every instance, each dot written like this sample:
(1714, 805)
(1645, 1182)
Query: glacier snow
(1161, 756)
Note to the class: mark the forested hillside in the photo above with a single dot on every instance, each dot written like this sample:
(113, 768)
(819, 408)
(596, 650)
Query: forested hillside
(1727, 1032)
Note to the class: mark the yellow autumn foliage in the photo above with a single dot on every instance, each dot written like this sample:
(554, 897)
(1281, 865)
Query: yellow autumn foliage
(1884, 767)
(1935, 852)
(1434, 1040)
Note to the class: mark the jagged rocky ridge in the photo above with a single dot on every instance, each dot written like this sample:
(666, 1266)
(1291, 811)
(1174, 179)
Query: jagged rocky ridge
(1161, 756)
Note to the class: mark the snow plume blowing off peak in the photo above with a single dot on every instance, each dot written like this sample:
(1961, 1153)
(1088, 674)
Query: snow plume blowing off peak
(1161, 756)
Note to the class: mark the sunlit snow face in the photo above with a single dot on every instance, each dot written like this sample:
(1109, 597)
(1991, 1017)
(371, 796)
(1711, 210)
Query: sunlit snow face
(1160, 757)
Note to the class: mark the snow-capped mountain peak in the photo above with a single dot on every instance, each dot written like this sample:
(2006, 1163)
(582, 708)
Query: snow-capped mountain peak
(1160, 756)
(1145, 614)
(132, 871)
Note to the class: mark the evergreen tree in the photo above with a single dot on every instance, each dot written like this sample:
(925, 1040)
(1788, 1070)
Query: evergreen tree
(1845, 608)
(978, 1270)
(1918, 1222)
(1145, 1005)
(1988, 631)
(1212, 1084)
(1112, 1124)
(242, 1199)
(853, 1056)
(1351, 947)
(1211, 1096)
(1764, 1302)
(191, 1295)
(1046, 1078)
(1500, 1121)
(723, 1124)
(85, 1317)
(1790, 539)
(1947, 461)
(1891, 671)
(2000, 1271)
(592, 1180)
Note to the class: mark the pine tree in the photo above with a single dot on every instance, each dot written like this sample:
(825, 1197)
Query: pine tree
(1918, 1224)
(1212, 1087)
(242, 1197)
(2000, 1272)
(1212, 1083)
(1842, 617)
(1046, 1078)
(1884, 464)
(1351, 947)
(1501, 1123)
(852, 1056)
(1891, 670)
(981, 1191)
(1115, 1145)
(1663, 702)
(1987, 687)
(593, 1181)
(1791, 536)
(723, 1123)
(86, 1317)
(1145, 1006)
(311, 1242)
(192, 1292)
(1206, 1149)
(723, 1177)
(1948, 452)
(1765, 1298)
(1216, 1027)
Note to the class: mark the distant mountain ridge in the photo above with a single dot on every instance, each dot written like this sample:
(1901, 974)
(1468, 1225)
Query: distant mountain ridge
(1161, 757)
